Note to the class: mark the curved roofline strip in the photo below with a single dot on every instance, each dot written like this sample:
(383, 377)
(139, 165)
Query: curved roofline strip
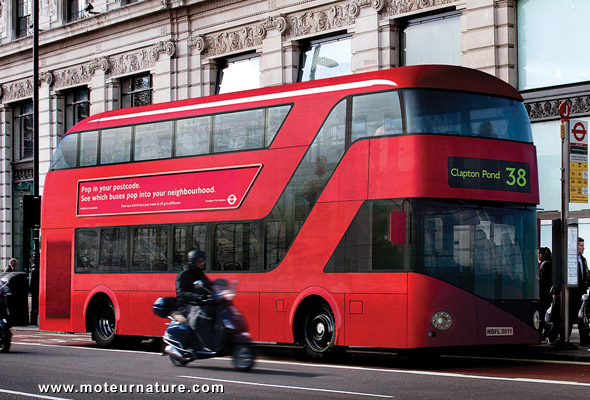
(251, 99)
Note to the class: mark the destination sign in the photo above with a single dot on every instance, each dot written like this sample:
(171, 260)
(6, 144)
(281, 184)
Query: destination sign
(479, 173)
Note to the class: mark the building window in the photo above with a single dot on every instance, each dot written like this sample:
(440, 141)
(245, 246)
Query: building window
(136, 91)
(23, 17)
(73, 11)
(545, 58)
(238, 73)
(434, 39)
(325, 58)
(23, 131)
(77, 106)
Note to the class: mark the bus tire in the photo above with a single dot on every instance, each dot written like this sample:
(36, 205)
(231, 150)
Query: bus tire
(319, 332)
(105, 323)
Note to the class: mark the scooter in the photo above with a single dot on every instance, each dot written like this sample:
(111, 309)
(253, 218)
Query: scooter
(230, 335)
(5, 333)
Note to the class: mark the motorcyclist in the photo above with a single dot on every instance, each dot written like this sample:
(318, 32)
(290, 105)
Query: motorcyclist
(190, 299)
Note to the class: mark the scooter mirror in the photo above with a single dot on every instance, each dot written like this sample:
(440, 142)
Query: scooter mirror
(198, 284)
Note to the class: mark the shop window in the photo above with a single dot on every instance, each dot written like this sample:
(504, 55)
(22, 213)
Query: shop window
(544, 57)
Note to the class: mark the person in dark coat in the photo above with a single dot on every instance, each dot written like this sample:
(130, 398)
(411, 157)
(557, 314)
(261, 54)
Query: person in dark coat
(186, 293)
(190, 298)
(545, 284)
(575, 293)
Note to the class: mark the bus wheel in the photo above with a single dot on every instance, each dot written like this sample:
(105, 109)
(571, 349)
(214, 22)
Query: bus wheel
(104, 324)
(319, 332)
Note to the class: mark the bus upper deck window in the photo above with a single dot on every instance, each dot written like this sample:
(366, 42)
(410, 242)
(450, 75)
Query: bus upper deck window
(66, 153)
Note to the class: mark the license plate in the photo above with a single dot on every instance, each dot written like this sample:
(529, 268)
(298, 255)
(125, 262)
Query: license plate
(499, 331)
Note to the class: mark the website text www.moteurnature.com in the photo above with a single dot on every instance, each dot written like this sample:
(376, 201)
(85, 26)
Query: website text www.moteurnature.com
(155, 388)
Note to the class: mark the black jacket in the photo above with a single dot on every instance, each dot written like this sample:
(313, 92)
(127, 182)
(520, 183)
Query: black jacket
(186, 292)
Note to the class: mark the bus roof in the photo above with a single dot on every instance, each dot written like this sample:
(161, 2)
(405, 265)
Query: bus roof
(422, 76)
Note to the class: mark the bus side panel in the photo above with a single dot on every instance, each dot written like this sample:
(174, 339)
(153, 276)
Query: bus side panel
(140, 319)
(376, 320)
(273, 309)
(427, 296)
(78, 312)
(55, 314)
(248, 304)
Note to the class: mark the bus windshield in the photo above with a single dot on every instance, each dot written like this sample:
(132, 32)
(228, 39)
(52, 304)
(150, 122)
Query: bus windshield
(458, 113)
(486, 250)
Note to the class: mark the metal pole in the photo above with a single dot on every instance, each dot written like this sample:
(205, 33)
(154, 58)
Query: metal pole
(35, 261)
(564, 217)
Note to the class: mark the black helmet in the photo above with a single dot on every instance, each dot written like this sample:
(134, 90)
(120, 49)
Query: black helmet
(194, 256)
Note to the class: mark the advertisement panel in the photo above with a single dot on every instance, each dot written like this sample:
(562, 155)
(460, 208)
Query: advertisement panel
(216, 189)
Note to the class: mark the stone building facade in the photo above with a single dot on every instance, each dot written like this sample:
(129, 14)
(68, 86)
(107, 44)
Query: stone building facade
(181, 46)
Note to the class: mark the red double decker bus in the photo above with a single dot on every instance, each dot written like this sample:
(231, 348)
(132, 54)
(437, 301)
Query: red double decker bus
(391, 209)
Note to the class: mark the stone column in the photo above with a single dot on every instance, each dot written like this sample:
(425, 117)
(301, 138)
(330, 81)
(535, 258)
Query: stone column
(101, 89)
(164, 72)
(488, 38)
(112, 100)
(365, 41)
(46, 131)
(5, 184)
(208, 77)
(390, 44)
(271, 59)
(291, 60)
(195, 75)
(506, 57)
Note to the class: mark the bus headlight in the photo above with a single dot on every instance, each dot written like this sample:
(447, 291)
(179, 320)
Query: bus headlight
(536, 320)
(441, 320)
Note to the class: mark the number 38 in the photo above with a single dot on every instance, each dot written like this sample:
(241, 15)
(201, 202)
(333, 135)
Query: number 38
(518, 179)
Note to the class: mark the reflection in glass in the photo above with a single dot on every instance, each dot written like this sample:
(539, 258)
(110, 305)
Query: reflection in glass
(113, 250)
(66, 152)
(432, 40)
(487, 250)
(150, 249)
(192, 136)
(86, 250)
(153, 141)
(327, 58)
(239, 75)
(236, 247)
(115, 146)
(238, 131)
(186, 238)
(88, 148)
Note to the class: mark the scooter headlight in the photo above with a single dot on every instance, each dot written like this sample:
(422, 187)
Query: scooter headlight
(441, 320)
(228, 294)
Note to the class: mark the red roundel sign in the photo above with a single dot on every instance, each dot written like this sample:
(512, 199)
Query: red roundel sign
(579, 131)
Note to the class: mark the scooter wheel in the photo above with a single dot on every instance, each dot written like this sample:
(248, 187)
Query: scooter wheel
(178, 362)
(243, 357)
